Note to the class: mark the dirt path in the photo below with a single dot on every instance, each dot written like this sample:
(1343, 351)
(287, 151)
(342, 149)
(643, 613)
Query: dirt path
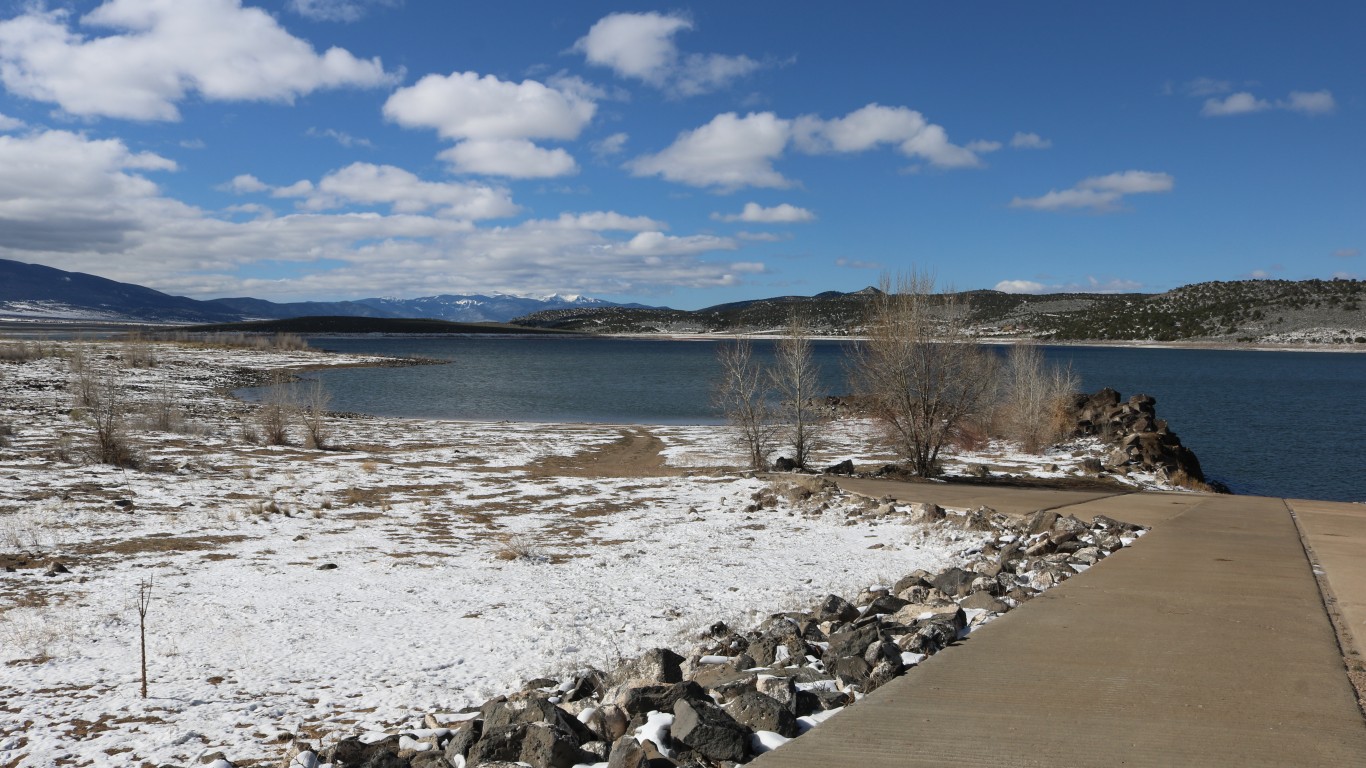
(638, 453)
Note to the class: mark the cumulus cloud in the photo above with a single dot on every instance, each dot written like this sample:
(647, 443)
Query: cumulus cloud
(1089, 285)
(729, 152)
(91, 205)
(905, 129)
(1311, 103)
(1099, 193)
(641, 46)
(403, 191)
(1240, 103)
(1029, 141)
(245, 184)
(1206, 86)
(8, 123)
(515, 158)
(612, 145)
(158, 52)
(494, 121)
(337, 10)
(754, 213)
(983, 146)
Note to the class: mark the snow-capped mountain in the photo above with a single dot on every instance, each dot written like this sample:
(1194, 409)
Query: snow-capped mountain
(33, 291)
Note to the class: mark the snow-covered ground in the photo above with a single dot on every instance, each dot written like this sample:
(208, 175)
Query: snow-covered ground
(419, 568)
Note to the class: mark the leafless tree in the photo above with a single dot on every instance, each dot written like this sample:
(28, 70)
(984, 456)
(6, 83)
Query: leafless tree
(796, 380)
(315, 401)
(144, 600)
(106, 407)
(923, 375)
(1035, 398)
(742, 396)
(277, 409)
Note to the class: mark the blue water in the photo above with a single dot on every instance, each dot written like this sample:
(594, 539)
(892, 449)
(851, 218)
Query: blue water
(1269, 423)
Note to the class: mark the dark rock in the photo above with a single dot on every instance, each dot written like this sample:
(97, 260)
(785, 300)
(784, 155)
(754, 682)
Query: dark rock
(1092, 466)
(328, 567)
(430, 760)
(758, 712)
(55, 567)
(953, 582)
(532, 707)
(845, 467)
(351, 751)
(781, 689)
(984, 601)
(463, 738)
(626, 752)
(850, 671)
(658, 665)
(979, 471)
(709, 731)
(784, 464)
(590, 684)
(648, 698)
(608, 722)
(539, 744)
(835, 608)
(885, 604)
(884, 672)
(820, 700)
(852, 642)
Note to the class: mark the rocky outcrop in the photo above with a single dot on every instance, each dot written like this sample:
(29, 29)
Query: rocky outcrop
(1140, 440)
(737, 693)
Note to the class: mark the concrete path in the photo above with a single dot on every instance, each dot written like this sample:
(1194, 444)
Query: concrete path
(1206, 643)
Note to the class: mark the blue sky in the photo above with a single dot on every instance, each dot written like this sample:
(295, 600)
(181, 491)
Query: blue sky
(682, 155)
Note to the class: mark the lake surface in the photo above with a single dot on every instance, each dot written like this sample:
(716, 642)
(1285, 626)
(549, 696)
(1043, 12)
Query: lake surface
(1270, 423)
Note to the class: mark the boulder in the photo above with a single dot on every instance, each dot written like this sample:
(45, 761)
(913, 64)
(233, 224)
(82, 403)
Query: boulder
(835, 608)
(821, 700)
(462, 739)
(639, 700)
(534, 707)
(852, 642)
(781, 689)
(845, 467)
(709, 731)
(784, 464)
(759, 712)
(539, 745)
(658, 665)
(954, 582)
(924, 512)
(626, 752)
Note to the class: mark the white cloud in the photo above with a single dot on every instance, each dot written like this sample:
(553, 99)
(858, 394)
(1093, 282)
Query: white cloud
(764, 237)
(1029, 141)
(756, 213)
(728, 153)
(1347, 253)
(160, 51)
(8, 123)
(464, 105)
(1021, 286)
(983, 146)
(87, 205)
(1240, 103)
(515, 158)
(641, 46)
(245, 184)
(600, 221)
(1311, 103)
(337, 10)
(1090, 285)
(403, 191)
(1099, 193)
(494, 121)
(875, 125)
(341, 137)
(612, 145)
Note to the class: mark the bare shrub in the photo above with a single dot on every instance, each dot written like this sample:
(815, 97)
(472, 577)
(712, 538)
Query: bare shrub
(742, 397)
(162, 413)
(795, 380)
(137, 352)
(1035, 399)
(279, 342)
(22, 351)
(317, 433)
(520, 547)
(84, 380)
(276, 410)
(923, 375)
(107, 411)
(141, 604)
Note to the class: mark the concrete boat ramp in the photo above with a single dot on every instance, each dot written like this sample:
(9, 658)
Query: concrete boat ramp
(1227, 636)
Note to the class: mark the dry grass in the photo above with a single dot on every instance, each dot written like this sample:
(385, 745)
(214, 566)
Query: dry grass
(520, 547)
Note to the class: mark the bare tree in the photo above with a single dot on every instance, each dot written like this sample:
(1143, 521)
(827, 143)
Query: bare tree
(105, 406)
(315, 401)
(923, 375)
(1035, 398)
(144, 600)
(742, 396)
(276, 410)
(796, 380)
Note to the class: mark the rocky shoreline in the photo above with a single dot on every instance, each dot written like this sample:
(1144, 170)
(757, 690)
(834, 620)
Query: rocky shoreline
(736, 694)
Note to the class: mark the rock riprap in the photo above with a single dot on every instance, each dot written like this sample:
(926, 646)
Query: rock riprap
(738, 693)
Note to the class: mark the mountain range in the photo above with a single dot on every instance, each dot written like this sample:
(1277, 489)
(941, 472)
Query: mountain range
(39, 292)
